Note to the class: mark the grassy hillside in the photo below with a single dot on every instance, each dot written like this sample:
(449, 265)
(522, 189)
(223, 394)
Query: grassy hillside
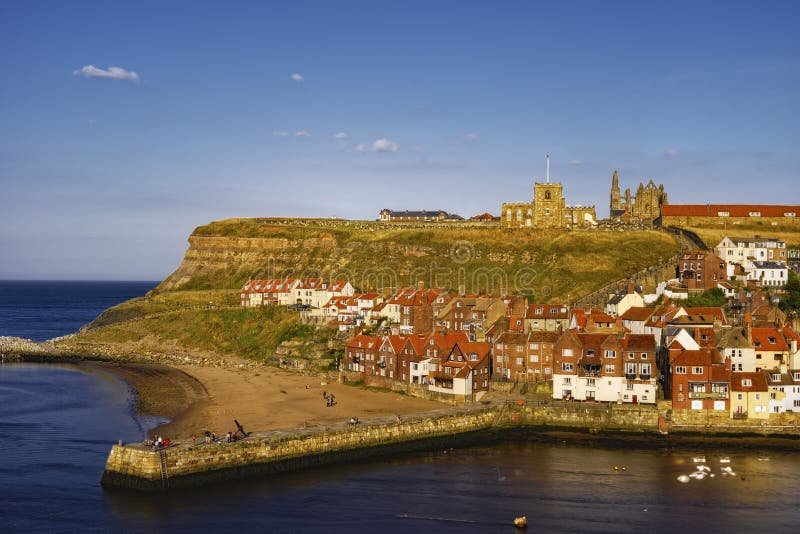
(197, 307)
(551, 265)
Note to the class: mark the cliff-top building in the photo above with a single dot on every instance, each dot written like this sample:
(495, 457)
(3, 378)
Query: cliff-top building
(547, 210)
(645, 206)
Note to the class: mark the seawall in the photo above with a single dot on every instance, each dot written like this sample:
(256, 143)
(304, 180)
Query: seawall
(139, 467)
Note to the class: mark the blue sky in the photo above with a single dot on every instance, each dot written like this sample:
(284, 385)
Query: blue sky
(442, 105)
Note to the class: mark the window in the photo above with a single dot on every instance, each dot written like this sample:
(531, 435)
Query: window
(590, 382)
(631, 356)
(610, 368)
(611, 354)
(697, 370)
(547, 370)
(566, 367)
(566, 352)
(680, 370)
(520, 361)
(645, 369)
(644, 355)
(534, 346)
(534, 359)
(567, 381)
(746, 382)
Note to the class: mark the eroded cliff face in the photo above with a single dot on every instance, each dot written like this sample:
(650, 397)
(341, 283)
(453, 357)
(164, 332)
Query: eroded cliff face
(551, 265)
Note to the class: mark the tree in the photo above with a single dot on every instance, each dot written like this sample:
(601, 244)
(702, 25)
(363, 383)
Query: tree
(714, 297)
(791, 301)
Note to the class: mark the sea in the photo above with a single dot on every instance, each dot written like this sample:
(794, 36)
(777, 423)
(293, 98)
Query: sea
(57, 423)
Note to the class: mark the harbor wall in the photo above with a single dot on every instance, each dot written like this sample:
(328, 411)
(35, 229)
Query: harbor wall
(141, 468)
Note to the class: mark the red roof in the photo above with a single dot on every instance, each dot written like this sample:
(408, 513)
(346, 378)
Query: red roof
(768, 338)
(638, 314)
(716, 312)
(758, 382)
(733, 210)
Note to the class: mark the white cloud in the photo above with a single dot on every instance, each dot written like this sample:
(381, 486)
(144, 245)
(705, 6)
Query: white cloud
(340, 135)
(385, 145)
(576, 162)
(671, 152)
(280, 134)
(361, 148)
(297, 77)
(114, 73)
(302, 133)
(471, 136)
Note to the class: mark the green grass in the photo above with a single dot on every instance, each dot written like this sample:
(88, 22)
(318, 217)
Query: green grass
(250, 333)
(549, 265)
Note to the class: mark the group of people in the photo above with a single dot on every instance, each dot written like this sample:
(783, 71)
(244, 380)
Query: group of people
(330, 400)
(161, 443)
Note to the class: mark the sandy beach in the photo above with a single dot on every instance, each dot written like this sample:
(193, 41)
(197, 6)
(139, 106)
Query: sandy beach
(197, 398)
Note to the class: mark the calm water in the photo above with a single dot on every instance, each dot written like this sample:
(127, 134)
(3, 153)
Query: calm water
(58, 422)
(43, 310)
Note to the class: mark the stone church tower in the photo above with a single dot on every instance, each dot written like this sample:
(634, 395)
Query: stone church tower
(548, 209)
(548, 205)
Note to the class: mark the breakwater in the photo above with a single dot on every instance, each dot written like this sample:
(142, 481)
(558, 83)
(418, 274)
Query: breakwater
(141, 468)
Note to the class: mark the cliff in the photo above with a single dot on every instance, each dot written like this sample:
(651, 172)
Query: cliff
(550, 265)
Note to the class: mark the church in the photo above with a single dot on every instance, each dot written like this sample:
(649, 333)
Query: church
(547, 210)
(644, 207)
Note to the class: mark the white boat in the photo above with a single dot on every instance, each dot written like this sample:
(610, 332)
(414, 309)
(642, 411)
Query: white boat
(699, 459)
(683, 479)
(724, 460)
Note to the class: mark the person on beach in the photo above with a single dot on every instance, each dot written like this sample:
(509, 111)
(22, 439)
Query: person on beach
(228, 437)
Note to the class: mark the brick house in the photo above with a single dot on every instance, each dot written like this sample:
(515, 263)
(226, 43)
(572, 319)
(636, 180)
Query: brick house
(416, 308)
(700, 380)
(605, 367)
(465, 371)
(701, 270)
(361, 354)
(524, 356)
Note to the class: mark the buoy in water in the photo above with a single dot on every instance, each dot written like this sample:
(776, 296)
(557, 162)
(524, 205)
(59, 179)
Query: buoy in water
(521, 522)
(683, 479)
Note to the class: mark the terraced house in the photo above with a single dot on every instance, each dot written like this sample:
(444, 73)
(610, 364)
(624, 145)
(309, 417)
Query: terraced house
(605, 367)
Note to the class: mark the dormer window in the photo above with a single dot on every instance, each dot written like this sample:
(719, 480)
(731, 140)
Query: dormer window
(771, 340)
(746, 383)
(776, 378)
(539, 310)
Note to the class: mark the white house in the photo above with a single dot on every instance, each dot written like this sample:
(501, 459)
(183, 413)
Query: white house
(742, 250)
(768, 273)
(735, 343)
